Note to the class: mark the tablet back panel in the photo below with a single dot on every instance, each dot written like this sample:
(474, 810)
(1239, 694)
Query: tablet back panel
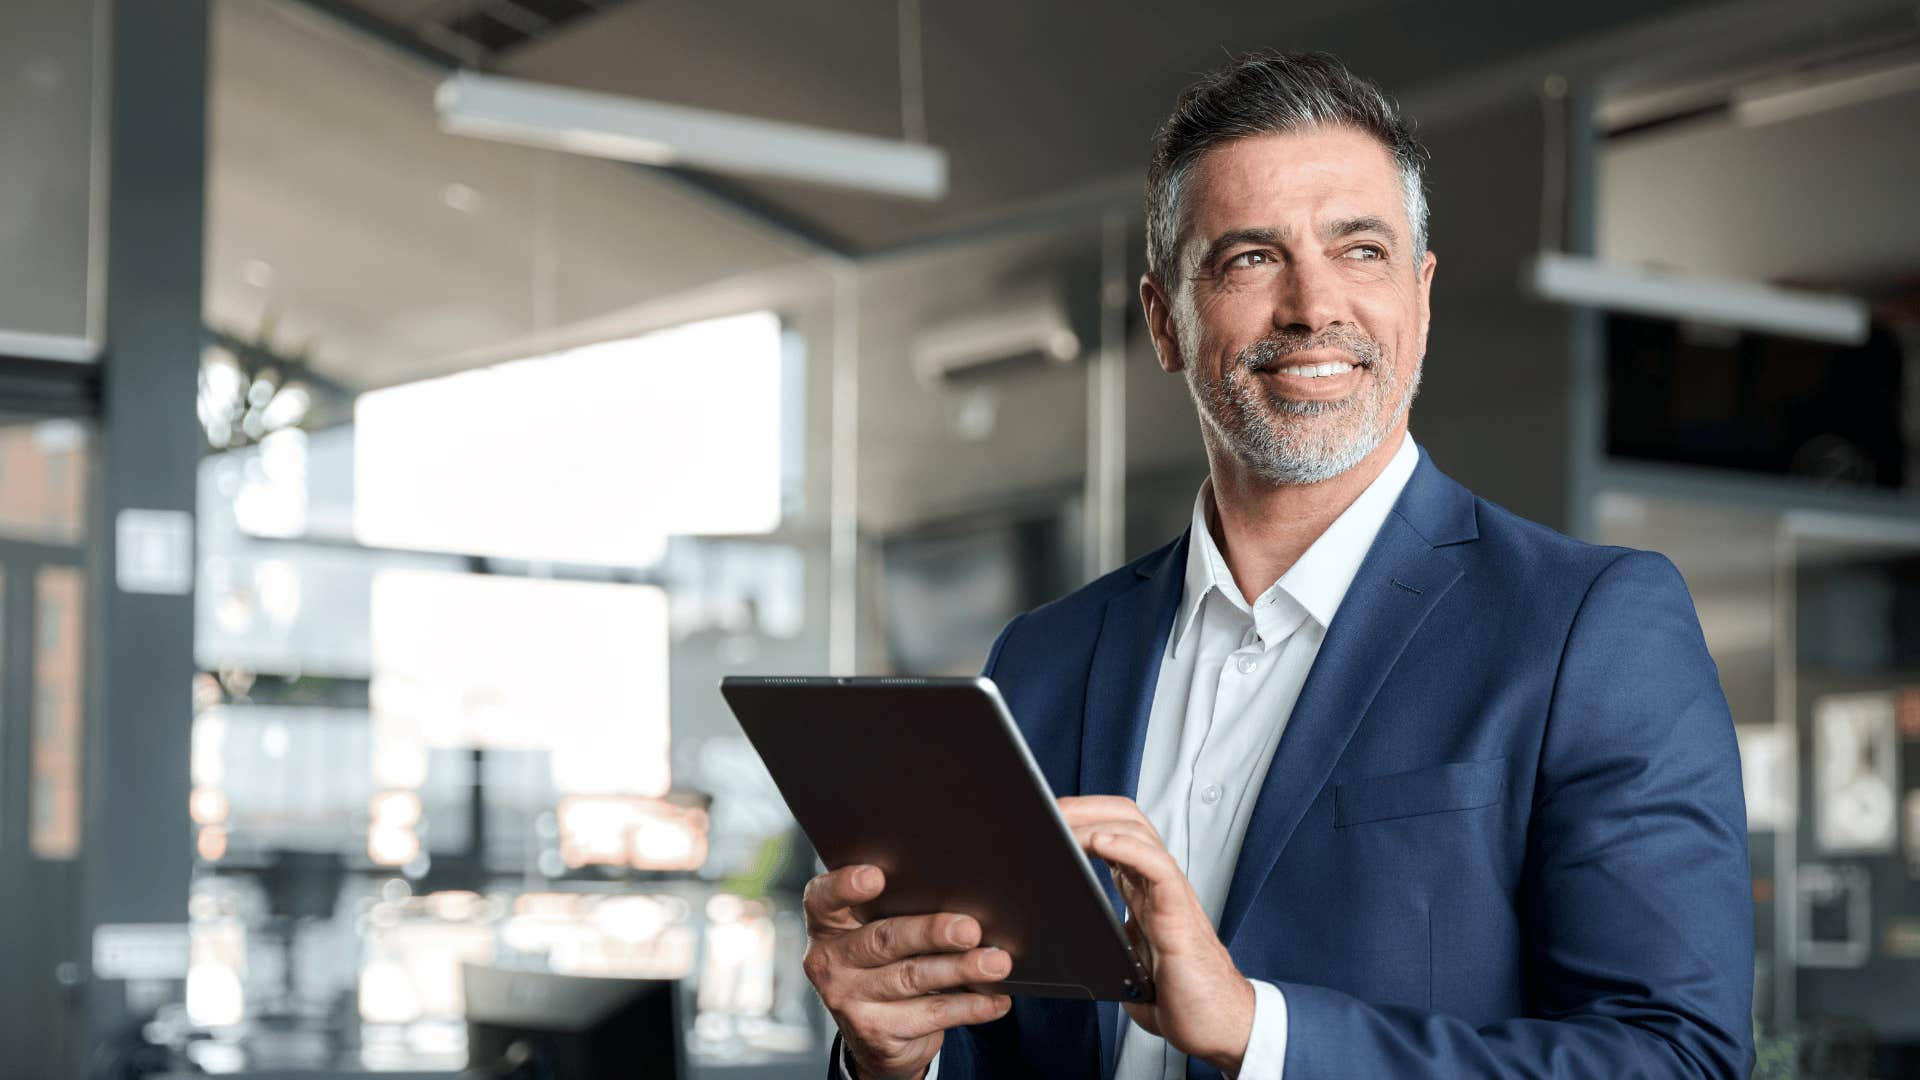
(929, 780)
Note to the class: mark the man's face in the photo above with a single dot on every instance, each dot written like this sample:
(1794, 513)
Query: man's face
(1299, 316)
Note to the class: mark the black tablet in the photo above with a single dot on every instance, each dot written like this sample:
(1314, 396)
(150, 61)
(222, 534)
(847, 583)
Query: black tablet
(929, 780)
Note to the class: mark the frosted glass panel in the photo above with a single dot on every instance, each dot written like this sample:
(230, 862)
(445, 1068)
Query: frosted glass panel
(46, 126)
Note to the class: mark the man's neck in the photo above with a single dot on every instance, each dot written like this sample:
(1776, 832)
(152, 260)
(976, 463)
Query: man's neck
(1262, 529)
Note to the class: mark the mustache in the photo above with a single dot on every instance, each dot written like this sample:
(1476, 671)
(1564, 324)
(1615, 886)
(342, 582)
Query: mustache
(1274, 350)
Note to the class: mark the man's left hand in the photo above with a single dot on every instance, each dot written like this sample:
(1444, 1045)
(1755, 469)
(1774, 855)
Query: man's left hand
(1203, 1005)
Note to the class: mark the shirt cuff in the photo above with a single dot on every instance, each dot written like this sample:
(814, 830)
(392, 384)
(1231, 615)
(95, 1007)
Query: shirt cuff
(933, 1067)
(1266, 1052)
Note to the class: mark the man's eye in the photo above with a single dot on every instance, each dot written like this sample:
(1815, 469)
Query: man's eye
(1367, 251)
(1250, 258)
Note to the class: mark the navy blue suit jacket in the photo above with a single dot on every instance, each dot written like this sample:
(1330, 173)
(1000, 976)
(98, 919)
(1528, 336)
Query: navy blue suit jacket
(1503, 833)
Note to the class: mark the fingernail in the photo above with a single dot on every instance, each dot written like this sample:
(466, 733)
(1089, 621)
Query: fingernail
(996, 962)
(955, 933)
(867, 878)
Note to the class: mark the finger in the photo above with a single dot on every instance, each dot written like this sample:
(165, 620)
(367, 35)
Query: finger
(919, 975)
(829, 899)
(922, 1016)
(1087, 809)
(1085, 833)
(887, 941)
(1161, 896)
(1150, 861)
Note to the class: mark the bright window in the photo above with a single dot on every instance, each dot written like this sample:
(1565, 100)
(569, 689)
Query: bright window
(575, 668)
(592, 455)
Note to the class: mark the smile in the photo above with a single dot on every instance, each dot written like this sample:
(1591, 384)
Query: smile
(1315, 371)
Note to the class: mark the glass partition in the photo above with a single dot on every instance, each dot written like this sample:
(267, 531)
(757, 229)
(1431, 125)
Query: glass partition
(1812, 621)
(505, 469)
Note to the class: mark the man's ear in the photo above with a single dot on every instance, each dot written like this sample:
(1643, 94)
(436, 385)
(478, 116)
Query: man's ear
(1427, 266)
(1159, 311)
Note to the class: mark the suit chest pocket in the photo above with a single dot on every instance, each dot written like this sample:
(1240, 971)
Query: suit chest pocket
(1460, 785)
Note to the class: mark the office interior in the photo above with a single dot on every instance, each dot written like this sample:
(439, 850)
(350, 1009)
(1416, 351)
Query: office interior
(381, 503)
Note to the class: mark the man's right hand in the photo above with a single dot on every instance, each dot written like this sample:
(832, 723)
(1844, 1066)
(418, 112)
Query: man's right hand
(894, 986)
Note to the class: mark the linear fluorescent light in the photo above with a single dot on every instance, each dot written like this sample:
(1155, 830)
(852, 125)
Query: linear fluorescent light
(656, 133)
(25, 346)
(1746, 305)
(1774, 102)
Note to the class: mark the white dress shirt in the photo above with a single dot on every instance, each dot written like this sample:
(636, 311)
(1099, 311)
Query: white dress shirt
(1228, 682)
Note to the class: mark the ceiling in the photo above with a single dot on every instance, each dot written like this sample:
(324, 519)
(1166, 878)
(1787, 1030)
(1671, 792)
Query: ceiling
(1029, 99)
(344, 226)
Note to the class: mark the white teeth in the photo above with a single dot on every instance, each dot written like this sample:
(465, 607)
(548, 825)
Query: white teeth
(1314, 371)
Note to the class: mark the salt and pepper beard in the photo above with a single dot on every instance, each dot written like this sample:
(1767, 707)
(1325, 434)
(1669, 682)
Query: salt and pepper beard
(1286, 441)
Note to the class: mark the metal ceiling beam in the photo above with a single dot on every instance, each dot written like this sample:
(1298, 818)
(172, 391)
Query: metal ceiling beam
(356, 18)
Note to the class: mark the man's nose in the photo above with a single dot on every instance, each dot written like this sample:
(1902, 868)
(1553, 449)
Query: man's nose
(1307, 297)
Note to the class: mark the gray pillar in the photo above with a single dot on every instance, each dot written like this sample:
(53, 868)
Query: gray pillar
(1494, 407)
(138, 844)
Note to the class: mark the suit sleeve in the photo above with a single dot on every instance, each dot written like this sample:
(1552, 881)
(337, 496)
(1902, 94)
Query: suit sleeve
(843, 1067)
(1635, 899)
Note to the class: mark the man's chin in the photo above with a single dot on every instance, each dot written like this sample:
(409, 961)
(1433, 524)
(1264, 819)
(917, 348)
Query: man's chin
(1286, 408)
(1313, 452)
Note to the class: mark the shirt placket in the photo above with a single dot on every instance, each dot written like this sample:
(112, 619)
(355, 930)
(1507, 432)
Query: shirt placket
(1211, 796)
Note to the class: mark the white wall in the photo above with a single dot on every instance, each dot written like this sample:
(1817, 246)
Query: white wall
(1825, 198)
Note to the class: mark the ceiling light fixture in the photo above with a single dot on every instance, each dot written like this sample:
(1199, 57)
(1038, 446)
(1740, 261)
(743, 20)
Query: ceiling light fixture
(1790, 99)
(1744, 305)
(657, 133)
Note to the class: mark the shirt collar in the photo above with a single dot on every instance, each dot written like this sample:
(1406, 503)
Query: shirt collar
(1317, 582)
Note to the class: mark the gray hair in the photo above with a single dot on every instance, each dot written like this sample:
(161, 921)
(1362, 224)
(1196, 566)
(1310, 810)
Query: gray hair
(1269, 93)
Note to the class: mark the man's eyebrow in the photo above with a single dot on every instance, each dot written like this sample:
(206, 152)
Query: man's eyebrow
(1340, 227)
(1234, 238)
(1329, 232)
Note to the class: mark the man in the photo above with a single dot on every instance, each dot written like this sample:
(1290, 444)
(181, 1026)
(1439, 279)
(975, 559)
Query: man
(1390, 782)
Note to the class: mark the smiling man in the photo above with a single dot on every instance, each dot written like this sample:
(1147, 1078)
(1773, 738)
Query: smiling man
(1390, 782)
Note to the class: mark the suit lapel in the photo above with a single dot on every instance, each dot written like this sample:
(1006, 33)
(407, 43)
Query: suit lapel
(1120, 682)
(1119, 699)
(1399, 583)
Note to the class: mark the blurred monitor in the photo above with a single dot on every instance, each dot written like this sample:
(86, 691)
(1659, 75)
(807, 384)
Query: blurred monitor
(950, 587)
(1693, 395)
(303, 884)
(536, 1025)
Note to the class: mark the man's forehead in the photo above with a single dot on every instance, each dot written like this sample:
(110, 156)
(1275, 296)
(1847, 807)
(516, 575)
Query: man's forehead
(1287, 181)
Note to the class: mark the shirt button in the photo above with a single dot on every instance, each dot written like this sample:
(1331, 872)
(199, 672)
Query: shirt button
(1210, 794)
(1246, 664)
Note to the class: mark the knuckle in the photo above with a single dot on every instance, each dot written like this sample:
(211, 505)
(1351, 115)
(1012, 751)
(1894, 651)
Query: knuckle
(856, 1023)
(837, 1000)
(817, 966)
(905, 978)
(876, 1024)
(860, 948)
